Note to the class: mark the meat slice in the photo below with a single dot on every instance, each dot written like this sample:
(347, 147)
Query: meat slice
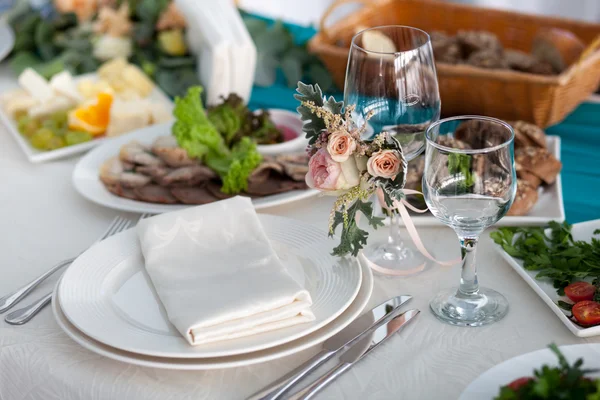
(193, 195)
(274, 185)
(121, 191)
(155, 194)
(156, 172)
(168, 150)
(265, 170)
(188, 176)
(136, 153)
(295, 166)
(214, 187)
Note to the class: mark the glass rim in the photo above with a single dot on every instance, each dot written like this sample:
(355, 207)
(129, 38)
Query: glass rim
(411, 28)
(469, 151)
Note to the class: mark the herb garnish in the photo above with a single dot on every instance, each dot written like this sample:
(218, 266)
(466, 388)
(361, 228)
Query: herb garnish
(563, 382)
(556, 256)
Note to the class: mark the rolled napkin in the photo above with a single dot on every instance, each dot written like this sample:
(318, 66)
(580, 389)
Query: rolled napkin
(217, 275)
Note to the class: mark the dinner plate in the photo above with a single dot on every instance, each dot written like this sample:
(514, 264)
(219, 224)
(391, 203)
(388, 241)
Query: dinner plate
(273, 353)
(545, 289)
(37, 156)
(107, 294)
(549, 207)
(487, 385)
(87, 182)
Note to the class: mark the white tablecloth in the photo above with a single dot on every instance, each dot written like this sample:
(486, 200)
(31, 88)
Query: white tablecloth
(43, 220)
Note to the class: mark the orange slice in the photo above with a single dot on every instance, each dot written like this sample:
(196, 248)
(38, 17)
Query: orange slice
(93, 118)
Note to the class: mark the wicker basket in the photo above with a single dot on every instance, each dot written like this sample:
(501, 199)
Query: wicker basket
(465, 89)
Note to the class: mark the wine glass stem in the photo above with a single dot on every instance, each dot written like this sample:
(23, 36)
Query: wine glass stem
(468, 279)
(394, 238)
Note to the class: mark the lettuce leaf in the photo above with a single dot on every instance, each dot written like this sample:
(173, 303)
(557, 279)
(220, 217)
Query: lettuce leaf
(201, 139)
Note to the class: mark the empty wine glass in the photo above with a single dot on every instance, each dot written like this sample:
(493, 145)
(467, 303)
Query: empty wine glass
(392, 82)
(469, 183)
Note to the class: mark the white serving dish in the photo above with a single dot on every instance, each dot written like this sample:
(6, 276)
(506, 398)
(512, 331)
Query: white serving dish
(37, 156)
(544, 289)
(292, 121)
(487, 385)
(88, 184)
(549, 207)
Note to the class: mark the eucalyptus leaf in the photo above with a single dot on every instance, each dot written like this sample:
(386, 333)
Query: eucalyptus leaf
(292, 70)
(266, 70)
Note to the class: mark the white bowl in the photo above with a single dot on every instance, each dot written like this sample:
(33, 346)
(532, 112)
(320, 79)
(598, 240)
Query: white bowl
(292, 121)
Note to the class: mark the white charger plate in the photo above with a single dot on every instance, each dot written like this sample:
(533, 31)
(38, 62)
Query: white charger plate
(273, 353)
(549, 207)
(107, 294)
(544, 289)
(487, 385)
(87, 182)
(37, 156)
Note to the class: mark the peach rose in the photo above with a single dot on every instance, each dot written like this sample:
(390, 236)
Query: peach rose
(340, 146)
(327, 175)
(384, 164)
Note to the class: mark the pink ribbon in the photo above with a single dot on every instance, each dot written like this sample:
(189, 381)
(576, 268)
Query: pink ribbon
(414, 235)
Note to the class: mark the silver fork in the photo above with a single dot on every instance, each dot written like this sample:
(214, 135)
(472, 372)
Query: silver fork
(25, 314)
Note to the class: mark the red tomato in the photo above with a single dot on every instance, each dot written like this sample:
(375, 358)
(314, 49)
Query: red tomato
(587, 312)
(519, 383)
(580, 291)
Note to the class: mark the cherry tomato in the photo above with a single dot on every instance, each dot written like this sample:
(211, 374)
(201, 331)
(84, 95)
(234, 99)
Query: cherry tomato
(519, 383)
(580, 291)
(587, 312)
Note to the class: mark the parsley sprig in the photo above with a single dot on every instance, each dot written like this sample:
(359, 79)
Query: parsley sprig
(565, 381)
(556, 256)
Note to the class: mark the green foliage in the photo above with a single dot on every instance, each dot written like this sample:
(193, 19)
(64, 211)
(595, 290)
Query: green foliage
(460, 164)
(556, 256)
(565, 381)
(313, 125)
(353, 238)
(277, 51)
(195, 132)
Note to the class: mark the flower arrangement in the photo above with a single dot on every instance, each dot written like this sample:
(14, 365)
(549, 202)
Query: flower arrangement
(345, 165)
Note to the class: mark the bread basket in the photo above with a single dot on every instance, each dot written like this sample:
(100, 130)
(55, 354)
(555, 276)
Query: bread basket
(464, 89)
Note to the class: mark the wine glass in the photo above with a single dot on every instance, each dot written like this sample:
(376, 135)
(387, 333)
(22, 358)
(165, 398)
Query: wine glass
(469, 183)
(391, 81)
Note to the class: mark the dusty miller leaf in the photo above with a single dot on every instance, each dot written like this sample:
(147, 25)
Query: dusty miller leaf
(352, 238)
(313, 125)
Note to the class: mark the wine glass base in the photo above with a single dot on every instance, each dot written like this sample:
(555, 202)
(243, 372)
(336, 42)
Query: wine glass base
(485, 307)
(400, 259)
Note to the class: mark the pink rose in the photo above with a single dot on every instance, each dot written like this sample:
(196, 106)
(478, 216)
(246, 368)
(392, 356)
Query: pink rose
(384, 164)
(340, 146)
(327, 175)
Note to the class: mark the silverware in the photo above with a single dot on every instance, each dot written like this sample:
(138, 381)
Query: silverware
(13, 298)
(358, 329)
(25, 314)
(356, 353)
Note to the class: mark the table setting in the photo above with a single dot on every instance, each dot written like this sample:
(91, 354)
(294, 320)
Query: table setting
(252, 232)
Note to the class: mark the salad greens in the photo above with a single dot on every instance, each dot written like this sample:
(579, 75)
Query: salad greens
(565, 381)
(202, 140)
(556, 256)
(461, 164)
(234, 120)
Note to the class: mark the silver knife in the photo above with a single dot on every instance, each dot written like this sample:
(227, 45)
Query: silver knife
(356, 353)
(358, 329)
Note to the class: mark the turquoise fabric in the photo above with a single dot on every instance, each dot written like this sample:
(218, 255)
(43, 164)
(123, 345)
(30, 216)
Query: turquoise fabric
(580, 139)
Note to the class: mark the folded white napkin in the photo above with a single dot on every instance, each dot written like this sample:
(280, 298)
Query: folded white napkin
(217, 275)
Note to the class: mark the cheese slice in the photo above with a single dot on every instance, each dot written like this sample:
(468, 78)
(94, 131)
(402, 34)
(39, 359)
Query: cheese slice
(36, 85)
(63, 84)
(57, 104)
(17, 100)
(127, 116)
